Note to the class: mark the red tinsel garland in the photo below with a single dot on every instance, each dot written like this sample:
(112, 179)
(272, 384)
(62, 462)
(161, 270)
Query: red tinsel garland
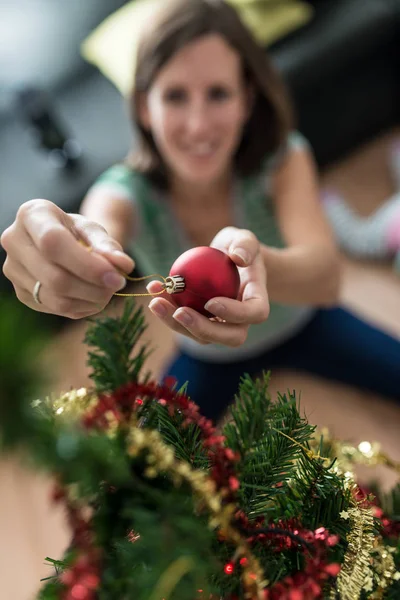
(82, 578)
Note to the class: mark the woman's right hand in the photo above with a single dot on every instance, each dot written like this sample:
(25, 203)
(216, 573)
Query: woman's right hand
(42, 246)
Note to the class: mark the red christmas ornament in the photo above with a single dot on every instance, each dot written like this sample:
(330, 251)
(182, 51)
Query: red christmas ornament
(201, 274)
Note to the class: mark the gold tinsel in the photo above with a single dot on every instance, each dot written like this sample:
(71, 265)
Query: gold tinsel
(368, 564)
(72, 404)
(161, 459)
(384, 570)
(371, 571)
(356, 566)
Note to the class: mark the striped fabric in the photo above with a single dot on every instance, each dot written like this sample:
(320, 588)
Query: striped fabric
(372, 236)
(363, 237)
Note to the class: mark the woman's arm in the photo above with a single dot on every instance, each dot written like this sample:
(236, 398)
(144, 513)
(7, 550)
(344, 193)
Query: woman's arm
(307, 271)
(115, 213)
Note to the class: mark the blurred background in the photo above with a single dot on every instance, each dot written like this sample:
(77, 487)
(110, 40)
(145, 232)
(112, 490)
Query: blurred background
(63, 122)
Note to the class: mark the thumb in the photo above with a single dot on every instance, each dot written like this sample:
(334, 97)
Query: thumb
(244, 248)
(241, 245)
(94, 236)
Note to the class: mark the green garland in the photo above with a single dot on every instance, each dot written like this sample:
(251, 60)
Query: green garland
(163, 505)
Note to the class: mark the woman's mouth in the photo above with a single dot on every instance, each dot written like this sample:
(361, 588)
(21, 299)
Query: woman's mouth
(201, 150)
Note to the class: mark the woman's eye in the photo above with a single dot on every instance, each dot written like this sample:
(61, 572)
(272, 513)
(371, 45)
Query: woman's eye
(218, 93)
(175, 96)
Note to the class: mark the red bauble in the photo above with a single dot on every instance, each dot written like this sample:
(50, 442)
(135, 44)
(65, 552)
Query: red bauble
(206, 273)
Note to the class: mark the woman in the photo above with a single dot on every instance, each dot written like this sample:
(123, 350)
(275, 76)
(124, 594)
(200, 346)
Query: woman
(218, 164)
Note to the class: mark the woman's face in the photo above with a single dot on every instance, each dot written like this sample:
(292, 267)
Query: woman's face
(196, 109)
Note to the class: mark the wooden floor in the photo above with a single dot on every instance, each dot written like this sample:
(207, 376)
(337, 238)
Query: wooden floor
(370, 289)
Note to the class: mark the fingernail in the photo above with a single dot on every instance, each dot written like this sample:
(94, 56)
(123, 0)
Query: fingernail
(120, 253)
(109, 248)
(114, 281)
(158, 309)
(183, 317)
(243, 254)
(215, 307)
(152, 288)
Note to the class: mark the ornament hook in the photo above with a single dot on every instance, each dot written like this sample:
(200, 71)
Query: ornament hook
(174, 284)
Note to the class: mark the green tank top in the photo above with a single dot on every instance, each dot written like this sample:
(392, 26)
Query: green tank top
(158, 240)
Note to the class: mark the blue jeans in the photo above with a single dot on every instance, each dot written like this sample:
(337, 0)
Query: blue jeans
(335, 345)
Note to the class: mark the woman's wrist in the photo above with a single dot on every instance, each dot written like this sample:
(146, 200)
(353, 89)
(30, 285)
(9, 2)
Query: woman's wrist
(302, 275)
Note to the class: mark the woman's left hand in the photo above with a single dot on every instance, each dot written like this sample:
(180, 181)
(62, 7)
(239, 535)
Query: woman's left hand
(233, 316)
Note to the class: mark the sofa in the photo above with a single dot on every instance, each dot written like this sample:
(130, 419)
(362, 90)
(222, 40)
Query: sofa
(342, 69)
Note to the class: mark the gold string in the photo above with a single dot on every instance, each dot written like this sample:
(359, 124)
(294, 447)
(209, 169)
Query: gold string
(140, 279)
(90, 249)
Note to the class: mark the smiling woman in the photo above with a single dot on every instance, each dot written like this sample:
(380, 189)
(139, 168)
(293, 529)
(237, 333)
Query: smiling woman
(207, 63)
(196, 114)
(218, 164)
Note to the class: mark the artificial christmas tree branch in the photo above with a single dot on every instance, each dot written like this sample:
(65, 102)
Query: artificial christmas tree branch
(163, 504)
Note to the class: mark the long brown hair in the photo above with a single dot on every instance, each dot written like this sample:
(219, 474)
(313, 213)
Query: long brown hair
(179, 22)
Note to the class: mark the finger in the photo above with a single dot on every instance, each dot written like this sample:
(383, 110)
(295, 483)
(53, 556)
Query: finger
(65, 307)
(254, 305)
(249, 312)
(240, 244)
(66, 310)
(24, 284)
(192, 324)
(96, 237)
(156, 287)
(207, 331)
(46, 231)
(60, 306)
(61, 282)
(54, 277)
(164, 310)
(19, 282)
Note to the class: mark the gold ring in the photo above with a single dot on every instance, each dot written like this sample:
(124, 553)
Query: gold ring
(35, 293)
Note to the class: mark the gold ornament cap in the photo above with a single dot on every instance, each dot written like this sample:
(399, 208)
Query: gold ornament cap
(175, 284)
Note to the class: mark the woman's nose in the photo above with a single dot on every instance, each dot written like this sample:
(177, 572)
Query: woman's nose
(198, 118)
